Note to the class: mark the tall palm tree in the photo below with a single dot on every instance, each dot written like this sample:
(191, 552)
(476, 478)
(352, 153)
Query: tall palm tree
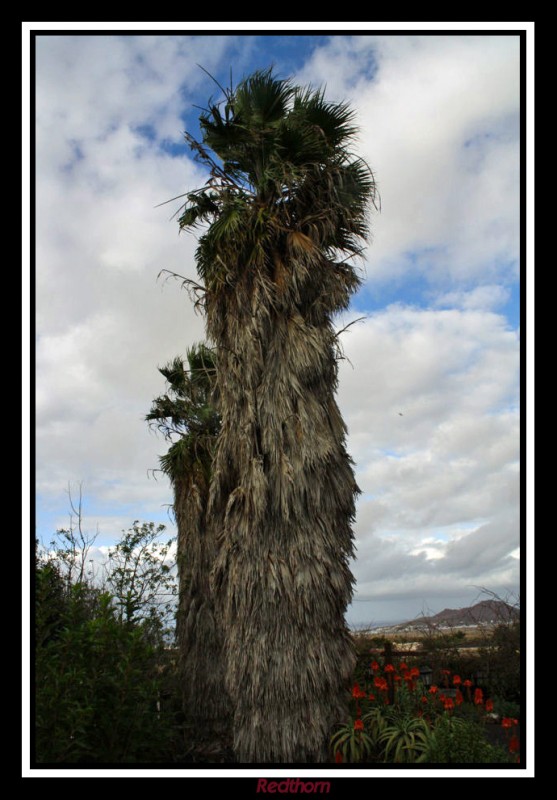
(185, 413)
(286, 206)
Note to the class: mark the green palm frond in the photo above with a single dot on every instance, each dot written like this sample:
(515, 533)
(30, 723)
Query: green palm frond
(186, 409)
(333, 122)
(285, 148)
(261, 100)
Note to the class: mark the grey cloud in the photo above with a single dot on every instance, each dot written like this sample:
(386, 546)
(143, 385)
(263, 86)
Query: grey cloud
(432, 103)
(449, 212)
(486, 547)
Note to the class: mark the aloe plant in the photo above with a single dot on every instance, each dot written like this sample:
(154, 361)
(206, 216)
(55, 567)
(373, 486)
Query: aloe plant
(405, 739)
(352, 742)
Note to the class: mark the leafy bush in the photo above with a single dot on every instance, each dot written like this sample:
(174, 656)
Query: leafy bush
(458, 741)
(141, 580)
(101, 673)
(501, 659)
(505, 708)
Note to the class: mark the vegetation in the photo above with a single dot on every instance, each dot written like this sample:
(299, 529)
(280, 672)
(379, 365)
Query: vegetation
(187, 417)
(109, 682)
(400, 718)
(286, 206)
(102, 666)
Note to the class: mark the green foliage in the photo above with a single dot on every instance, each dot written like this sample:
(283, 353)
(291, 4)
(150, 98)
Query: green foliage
(187, 417)
(185, 409)
(101, 673)
(280, 164)
(140, 578)
(458, 741)
(353, 745)
(501, 660)
(409, 721)
(394, 734)
(390, 735)
(506, 708)
(404, 739)
(50, 602)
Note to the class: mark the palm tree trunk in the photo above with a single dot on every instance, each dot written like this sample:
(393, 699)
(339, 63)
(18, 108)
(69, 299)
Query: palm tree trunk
(282, 504)
(186, 410)
(205, 702)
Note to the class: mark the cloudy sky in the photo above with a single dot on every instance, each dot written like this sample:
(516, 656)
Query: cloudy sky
(430, 385)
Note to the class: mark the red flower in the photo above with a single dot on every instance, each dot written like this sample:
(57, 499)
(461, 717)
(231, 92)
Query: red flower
(514, 745)
(415, 672)
(357, 692)
(381, 684)
(459, 699)
(358, 725)
(507, 722)
(389, 668)
(467, 684)
(448, 703)
(424, 699)
(457, 680)
(372, 697)
(374, 666)
(397, 678)
(402, 665)
(489, 706)
(445, 672)
(478, 697)
(433, 689)
(338, 757)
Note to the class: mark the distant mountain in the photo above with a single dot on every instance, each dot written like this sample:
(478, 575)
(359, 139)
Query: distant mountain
(483, 613)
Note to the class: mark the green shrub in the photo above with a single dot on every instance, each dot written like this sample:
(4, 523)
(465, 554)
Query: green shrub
(101, 676)
(501, 659)
(97, 687)
(454, 740)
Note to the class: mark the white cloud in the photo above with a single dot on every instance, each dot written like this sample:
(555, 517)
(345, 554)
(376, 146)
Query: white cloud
(90, 86)
(103, 321)
(431, 397)
(484, 298)
(439, 126)
(430, 403)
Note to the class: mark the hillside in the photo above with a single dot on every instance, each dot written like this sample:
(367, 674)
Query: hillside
(486, 612)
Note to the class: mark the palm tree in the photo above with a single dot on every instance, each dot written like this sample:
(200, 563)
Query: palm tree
(286, 205)
(186, 412)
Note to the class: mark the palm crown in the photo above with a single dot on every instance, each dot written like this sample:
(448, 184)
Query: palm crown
(282, 177)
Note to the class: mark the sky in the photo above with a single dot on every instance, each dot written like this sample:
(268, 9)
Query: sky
(429, 386)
